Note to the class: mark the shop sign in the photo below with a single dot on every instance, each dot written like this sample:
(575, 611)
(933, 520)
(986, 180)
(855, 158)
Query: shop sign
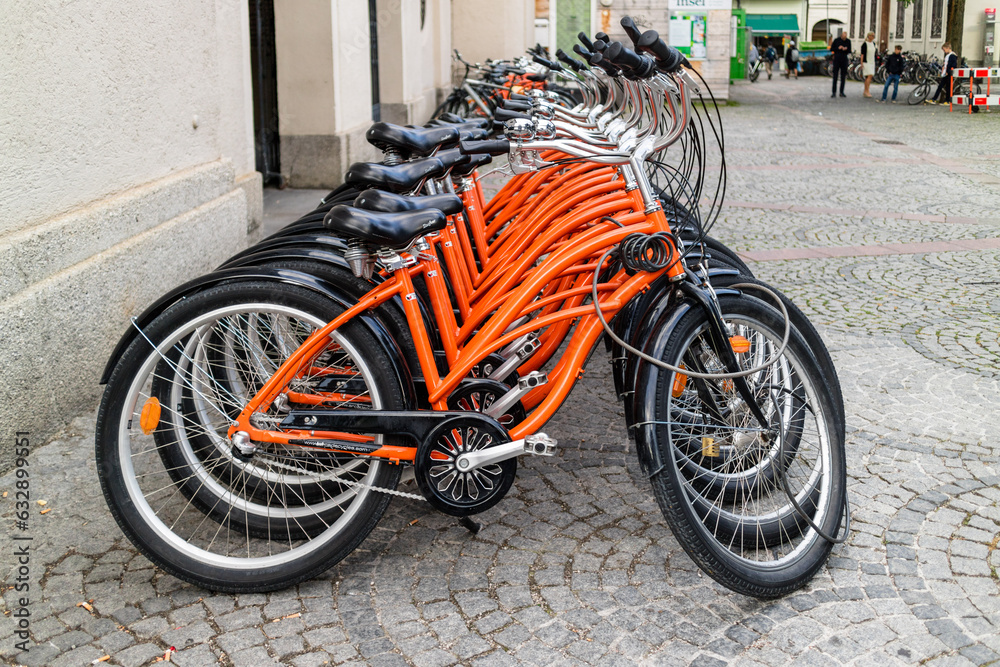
(699, 5)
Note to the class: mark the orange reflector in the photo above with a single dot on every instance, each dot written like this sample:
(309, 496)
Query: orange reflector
(680, 381)
(439, 456)
(150, 417)
(739, 344)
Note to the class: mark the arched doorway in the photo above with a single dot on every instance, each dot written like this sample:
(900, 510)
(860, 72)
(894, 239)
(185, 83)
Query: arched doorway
(819, 31)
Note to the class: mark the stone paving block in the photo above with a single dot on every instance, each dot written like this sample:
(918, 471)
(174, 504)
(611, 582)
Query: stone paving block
(196, 633)
(82, 655)
(137, 655)
(238, 640)
(252, 657)
(469, 646)
(198, 656)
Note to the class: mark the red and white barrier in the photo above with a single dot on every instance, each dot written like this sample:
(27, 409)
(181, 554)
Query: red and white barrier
(974, 100)
(978, 72)
(977, 100)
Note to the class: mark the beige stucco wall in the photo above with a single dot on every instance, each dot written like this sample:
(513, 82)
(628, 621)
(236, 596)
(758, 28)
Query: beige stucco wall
(127, 168)
(483, 29)
(324, 89)
(414, 60)
(975, 30)
(103, 98)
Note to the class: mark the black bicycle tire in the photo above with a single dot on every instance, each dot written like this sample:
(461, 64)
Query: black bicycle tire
(668, 485)
(146, 538)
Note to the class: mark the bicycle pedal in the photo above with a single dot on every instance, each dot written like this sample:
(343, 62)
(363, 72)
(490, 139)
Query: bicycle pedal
(540, 445)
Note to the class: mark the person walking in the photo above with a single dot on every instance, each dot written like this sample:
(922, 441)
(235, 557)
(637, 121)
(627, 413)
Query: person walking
(841, 48)
(752, 59)
(792, 60)
(770, 55)
(944, 84)
(894, 66)
(868, 62)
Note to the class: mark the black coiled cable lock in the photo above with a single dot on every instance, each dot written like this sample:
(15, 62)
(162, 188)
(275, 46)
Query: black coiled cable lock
(647, 252)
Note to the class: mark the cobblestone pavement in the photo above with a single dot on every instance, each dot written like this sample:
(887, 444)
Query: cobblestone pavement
(576, 566)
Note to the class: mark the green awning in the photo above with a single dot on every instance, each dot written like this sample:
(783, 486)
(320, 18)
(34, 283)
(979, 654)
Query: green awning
(773, 24)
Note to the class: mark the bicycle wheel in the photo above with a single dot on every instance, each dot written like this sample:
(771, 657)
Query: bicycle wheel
(754, 74)
(920, 75)
(919, 94)
(755, 541)
(180, 492)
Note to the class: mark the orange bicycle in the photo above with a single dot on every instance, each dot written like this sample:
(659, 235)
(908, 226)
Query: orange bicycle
(253, 432)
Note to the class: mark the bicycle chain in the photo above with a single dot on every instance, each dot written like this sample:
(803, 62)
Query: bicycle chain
(348, 482)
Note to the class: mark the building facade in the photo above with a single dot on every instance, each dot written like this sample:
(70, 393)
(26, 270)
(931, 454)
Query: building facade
(919, 26)
(127, 141)
(700, 28)
(343, 64)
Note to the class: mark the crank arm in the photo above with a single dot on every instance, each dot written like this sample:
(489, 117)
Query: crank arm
(536, 445)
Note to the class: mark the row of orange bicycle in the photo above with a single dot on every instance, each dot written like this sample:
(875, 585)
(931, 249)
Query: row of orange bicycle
(257, 420)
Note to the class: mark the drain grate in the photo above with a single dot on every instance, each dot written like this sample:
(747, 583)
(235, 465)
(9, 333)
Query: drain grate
(891, 142)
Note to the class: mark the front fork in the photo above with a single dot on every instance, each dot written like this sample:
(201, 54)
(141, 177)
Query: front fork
(704, 296)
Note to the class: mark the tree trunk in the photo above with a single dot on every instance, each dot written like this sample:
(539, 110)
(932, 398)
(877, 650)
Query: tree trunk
(883, 31)
(956, 25)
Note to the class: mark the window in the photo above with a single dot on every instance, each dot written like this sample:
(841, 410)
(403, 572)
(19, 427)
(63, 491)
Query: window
(918, 19)
(936, 11)
(854, 10)
(873, 11)
(900, 20)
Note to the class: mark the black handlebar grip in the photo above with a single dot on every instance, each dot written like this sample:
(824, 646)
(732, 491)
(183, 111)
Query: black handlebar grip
(569, 62)
(503, 115)
(600, 61)
(600, 45)
(586, 41)
(601, 36)
(668, 58)
(580, 51)
(519, 97)
(545, 62)
(631, 30)
(623, 56)
(490, 147)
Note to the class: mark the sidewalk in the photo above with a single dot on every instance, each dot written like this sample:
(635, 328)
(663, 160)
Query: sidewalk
(881, 223)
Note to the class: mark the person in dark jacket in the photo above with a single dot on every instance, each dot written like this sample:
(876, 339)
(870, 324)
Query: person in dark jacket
(894, 65)
(770, 56)
(944, 83)
(841, 48)
(792, 60)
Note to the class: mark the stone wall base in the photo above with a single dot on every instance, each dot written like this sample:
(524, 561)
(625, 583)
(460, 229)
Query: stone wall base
(69, 286)
(321, 160)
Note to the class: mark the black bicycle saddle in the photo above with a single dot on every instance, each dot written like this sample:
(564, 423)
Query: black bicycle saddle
(397, 178)
(386, 230)
(412, 140)
(377, 200)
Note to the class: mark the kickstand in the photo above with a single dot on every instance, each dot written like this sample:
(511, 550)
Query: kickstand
(470, 525)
